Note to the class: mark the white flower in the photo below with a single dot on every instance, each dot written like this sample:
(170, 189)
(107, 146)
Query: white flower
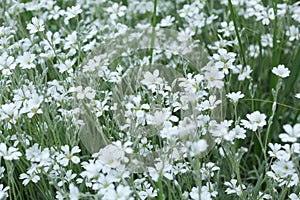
(292, 133)
(282, 169)
(278, 153)
(74, 192)
(167, 21)
(111, 156)
(293, 196)
(295, 148)
(32, 106)
(26, 61)
(199, 147)
(234, 188)
(224, 60)
(267, 40)
(211, 103)
(36, 26)
(202, 194)
(68, 155)
(293, 33)
(66, 66)
(236, 133)
(29, 177)
(297, 95)
(121, 193)
(227, 28)
(152, 80)
(281, 71)
(71, 43)
(116, 11)
(255, 120)
(266, 16)
(87, 92)
(207, 171)
(68, 177)
(161, 167)
(219, 129)
(161, 117)
(235, 96)
(262, 196)
(9, 112)
(214, 78)
(3, 191)
(11, 153)
(72, 12)
(7, 64)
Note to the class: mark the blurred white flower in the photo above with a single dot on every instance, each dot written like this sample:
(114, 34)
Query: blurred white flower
(267, 40)
(236, 133)
(167, 21)
(10, 153)
(234, 187)
(121, 192)
(293, 196)
(226, 28)
(111, 156)
(74, 192)
(291, 133)
(281, 169)
(210, 104)
(198, 194)
(71, 43)
(67, 178)
(207, 171)
(116, 11)
(3, 191)
(265, 16)
(36, 26)
(255, 120)
(198, 147)
(224, 60)
(32, 106)
(279, 153)
(293, 33)
(81, 93)
(161, 117)
(214, 77)
(26, 60)
(151, 80)
(281, 71)
(235, 96)
(29, 177)
(72, 12)
(7, 64)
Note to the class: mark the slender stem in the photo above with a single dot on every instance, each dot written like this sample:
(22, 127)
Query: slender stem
(268, 101)
(275, 50)
(270, 121)
(160, 187)
(153, 31)
(232, 13)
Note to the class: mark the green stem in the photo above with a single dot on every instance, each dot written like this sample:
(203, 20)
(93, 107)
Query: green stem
(233, 17)
(268, 101)
(11, 184)
(153, 31)
(270, 121)
(275, 50)
(160, 187)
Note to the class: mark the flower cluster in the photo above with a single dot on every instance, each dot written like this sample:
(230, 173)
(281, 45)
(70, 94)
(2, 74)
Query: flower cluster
(210, 110)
